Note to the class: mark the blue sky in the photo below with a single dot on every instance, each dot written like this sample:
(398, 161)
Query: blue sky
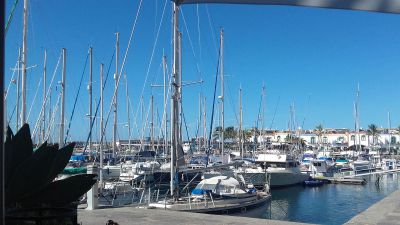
(311, 57)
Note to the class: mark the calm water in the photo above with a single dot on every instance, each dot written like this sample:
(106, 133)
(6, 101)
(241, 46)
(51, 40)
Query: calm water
(329, 204)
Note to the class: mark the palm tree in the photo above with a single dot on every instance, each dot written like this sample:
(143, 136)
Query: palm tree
(319, 129)
(373, 131)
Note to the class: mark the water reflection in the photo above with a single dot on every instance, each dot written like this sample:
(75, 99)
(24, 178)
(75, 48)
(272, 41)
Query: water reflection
(329, 204)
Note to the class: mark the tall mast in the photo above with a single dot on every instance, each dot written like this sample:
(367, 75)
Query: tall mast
(44, 96)
(116, 95)
(127, 112)
(101, 122)
(90, 95)
(18, 88)
(61, 138)
(390, 136)
(199, 125)
(240, 124)
(165, 104)
(24, 62)
(152, 123)
(263, 115)
(222, 94)
(174, 99)
(205, 142)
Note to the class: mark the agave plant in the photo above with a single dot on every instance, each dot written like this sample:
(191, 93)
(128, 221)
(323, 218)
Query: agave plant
(30, 176)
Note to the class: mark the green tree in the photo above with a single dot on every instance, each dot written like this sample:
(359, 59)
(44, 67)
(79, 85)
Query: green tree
(230, 133)
(319, 129)
(373, 131)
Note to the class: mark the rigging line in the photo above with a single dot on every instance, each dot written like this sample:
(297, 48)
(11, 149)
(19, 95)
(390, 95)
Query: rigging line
(276, 108)
(12, 78)
(12, 115)
(191, 44)
(47, 95)
(186, 128)
(230, 102)
(97, 108)
(52, 117)
(122, 69)
(213, 106)
(198, 31)
(168, 94)
(10, 17)
(210, 22)
(153, 51)
(259, 111)
(34, 98)
(76, 98)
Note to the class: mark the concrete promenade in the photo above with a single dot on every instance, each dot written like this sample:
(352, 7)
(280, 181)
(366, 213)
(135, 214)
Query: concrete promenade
(130, 215)
(384, 212)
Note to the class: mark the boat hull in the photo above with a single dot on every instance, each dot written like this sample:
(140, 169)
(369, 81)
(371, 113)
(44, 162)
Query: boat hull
(219, 207)
(282, 178)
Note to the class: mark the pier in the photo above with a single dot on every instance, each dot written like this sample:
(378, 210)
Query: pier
(130, 215)
(386, 211)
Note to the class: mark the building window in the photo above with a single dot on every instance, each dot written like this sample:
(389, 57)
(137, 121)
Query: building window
(325, 140)
(363, 138)
(340, 139)
(393, 140)
(312, 140)
(353, 138)
(278, 138)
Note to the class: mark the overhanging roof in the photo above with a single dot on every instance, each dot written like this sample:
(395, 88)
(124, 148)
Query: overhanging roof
(383, 6)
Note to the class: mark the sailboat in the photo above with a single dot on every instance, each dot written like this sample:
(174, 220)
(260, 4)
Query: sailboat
(218, 194)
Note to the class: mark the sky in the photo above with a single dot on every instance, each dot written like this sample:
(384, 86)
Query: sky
(311, 58)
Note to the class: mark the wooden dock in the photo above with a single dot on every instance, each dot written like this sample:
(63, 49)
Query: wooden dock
(343, 180)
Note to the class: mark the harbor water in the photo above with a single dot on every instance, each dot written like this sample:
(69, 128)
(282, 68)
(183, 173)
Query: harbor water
(330, 203)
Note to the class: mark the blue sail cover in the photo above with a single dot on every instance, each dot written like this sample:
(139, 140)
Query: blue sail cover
(384, 6)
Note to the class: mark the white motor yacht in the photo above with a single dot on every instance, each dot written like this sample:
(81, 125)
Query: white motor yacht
(283, 169)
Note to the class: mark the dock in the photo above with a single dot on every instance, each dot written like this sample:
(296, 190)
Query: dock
(386, 211)
(342, 180)
(131, 215)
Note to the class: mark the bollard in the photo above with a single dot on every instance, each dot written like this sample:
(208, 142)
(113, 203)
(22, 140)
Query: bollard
(92, 193)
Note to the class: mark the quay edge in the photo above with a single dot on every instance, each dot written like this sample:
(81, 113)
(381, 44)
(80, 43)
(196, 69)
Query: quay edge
(386, 211)
(131, 215)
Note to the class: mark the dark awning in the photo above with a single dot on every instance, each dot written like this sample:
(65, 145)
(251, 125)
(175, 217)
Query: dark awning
(384, 6)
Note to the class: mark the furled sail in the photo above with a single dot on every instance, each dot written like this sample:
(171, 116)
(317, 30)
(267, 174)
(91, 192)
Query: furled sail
(384, 6)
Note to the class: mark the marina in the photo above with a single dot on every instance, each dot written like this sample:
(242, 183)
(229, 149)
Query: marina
(182, 145)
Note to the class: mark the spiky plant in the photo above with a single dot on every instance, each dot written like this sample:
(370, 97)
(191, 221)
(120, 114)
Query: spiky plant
(30, 186)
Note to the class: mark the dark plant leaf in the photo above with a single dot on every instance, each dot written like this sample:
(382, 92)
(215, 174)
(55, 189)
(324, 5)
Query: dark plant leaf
(60, 161)
(31, 175)
(8, 152)
(61, 192)
(22, 144)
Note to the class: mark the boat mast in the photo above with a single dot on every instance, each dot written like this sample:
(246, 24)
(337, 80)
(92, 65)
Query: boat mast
(101, 123)
(24, 61)
(152, 122)
(240, 123)
(127, 112)
(222, 94)
(18, 88)
(90, 95)
(44, 96)
(358, 117)
(205, 123)
(175, 100)
(165, 104)
(116, 94)
(263, 116)
(61, 138)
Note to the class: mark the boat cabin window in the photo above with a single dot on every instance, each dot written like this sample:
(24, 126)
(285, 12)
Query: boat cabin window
(317, 164)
